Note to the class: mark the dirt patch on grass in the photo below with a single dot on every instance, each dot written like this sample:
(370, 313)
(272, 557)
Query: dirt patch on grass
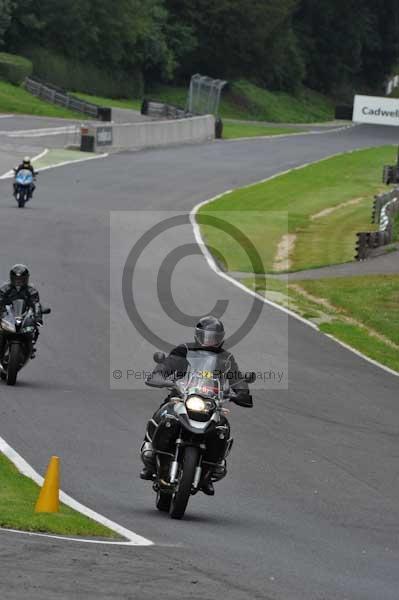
(285, 248)
(342, 315)
(328, 211)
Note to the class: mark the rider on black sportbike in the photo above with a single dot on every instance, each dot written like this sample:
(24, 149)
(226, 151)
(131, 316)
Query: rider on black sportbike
(19, 289)
(209, 338)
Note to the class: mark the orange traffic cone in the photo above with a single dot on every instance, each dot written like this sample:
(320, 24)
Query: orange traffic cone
(48, 501)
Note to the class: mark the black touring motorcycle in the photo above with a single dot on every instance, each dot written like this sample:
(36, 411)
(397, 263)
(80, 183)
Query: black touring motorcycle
(192, 434)
(19, 328)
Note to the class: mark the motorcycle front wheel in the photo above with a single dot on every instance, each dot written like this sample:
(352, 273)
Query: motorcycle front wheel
(182, 494)
(13, 364)
(21, 199)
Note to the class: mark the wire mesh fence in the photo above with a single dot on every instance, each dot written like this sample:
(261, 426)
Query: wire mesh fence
(204, 95)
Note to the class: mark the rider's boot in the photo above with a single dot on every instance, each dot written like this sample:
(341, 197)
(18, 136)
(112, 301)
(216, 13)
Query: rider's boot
(217, 473)
(148, 458)
(207, 488)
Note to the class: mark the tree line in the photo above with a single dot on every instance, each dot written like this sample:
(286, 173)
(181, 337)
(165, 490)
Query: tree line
(332, 46)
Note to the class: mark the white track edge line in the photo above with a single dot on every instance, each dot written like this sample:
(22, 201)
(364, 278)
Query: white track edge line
(73, 162)
(26, 469)
(212, 264)
(10, 174)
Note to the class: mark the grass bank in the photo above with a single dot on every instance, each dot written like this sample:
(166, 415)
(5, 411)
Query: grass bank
(110, 102)
(361, 311)
(304, 219)
(244, 100)
(18, 496)
(14, 99)
(242, 130)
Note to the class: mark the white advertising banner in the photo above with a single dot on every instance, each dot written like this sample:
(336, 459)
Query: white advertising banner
(376, 110)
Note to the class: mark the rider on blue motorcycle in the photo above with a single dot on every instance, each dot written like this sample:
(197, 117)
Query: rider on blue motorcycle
(26, 165)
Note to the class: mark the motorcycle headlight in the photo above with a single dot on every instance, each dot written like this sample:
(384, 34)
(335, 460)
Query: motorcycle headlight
(7, 326)
(28, 329)
(197, 404)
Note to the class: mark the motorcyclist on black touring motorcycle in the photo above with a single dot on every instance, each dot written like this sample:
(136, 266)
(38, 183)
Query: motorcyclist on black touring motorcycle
(18, 288)
(209, 335)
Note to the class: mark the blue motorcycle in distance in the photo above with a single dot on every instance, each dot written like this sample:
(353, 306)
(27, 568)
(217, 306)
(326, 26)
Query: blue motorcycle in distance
(23, 186)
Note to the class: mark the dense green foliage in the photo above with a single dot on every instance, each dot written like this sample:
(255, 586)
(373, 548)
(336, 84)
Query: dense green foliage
(71, 74)
(332, 46)
(5, 18)
(13, 68)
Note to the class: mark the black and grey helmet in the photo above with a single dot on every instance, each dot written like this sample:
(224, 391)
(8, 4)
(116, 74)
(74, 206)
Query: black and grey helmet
(209, 332)
(19, 276)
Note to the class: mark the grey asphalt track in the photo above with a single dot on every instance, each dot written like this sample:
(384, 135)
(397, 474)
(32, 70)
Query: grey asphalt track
(310, 508)
(385, 264)
(16, 138)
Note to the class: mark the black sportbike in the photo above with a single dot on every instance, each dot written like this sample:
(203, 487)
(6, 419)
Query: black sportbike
(19, 329)
(192, 434)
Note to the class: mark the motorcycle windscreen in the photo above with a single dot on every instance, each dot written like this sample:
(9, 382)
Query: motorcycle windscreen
(206, 372)
(24, 177)
(19, 308)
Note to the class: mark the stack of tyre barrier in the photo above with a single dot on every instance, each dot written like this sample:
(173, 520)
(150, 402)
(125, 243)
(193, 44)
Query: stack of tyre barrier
(160, 110)
(385, 208)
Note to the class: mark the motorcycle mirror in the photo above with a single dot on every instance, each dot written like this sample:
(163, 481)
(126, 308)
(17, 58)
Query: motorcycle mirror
(159, 357)
(46, 311)
(250, 377)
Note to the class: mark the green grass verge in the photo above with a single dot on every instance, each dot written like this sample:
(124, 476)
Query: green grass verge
(58, 156)
(243, 130)
(267, 211)
(18, 496)
(355, 310)
(396, 229)
(14, 99)
(109, 102)
(244, 100)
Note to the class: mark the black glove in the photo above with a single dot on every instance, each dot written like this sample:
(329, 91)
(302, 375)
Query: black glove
(159, 381)
(243, 399)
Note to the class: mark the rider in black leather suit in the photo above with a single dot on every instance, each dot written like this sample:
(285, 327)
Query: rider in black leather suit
(19, 289)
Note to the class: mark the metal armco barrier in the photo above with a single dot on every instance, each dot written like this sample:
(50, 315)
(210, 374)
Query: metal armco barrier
(385, 208)
(57, 96)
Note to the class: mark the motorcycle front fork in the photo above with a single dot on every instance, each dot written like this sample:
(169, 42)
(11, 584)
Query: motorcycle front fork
(174, 467)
